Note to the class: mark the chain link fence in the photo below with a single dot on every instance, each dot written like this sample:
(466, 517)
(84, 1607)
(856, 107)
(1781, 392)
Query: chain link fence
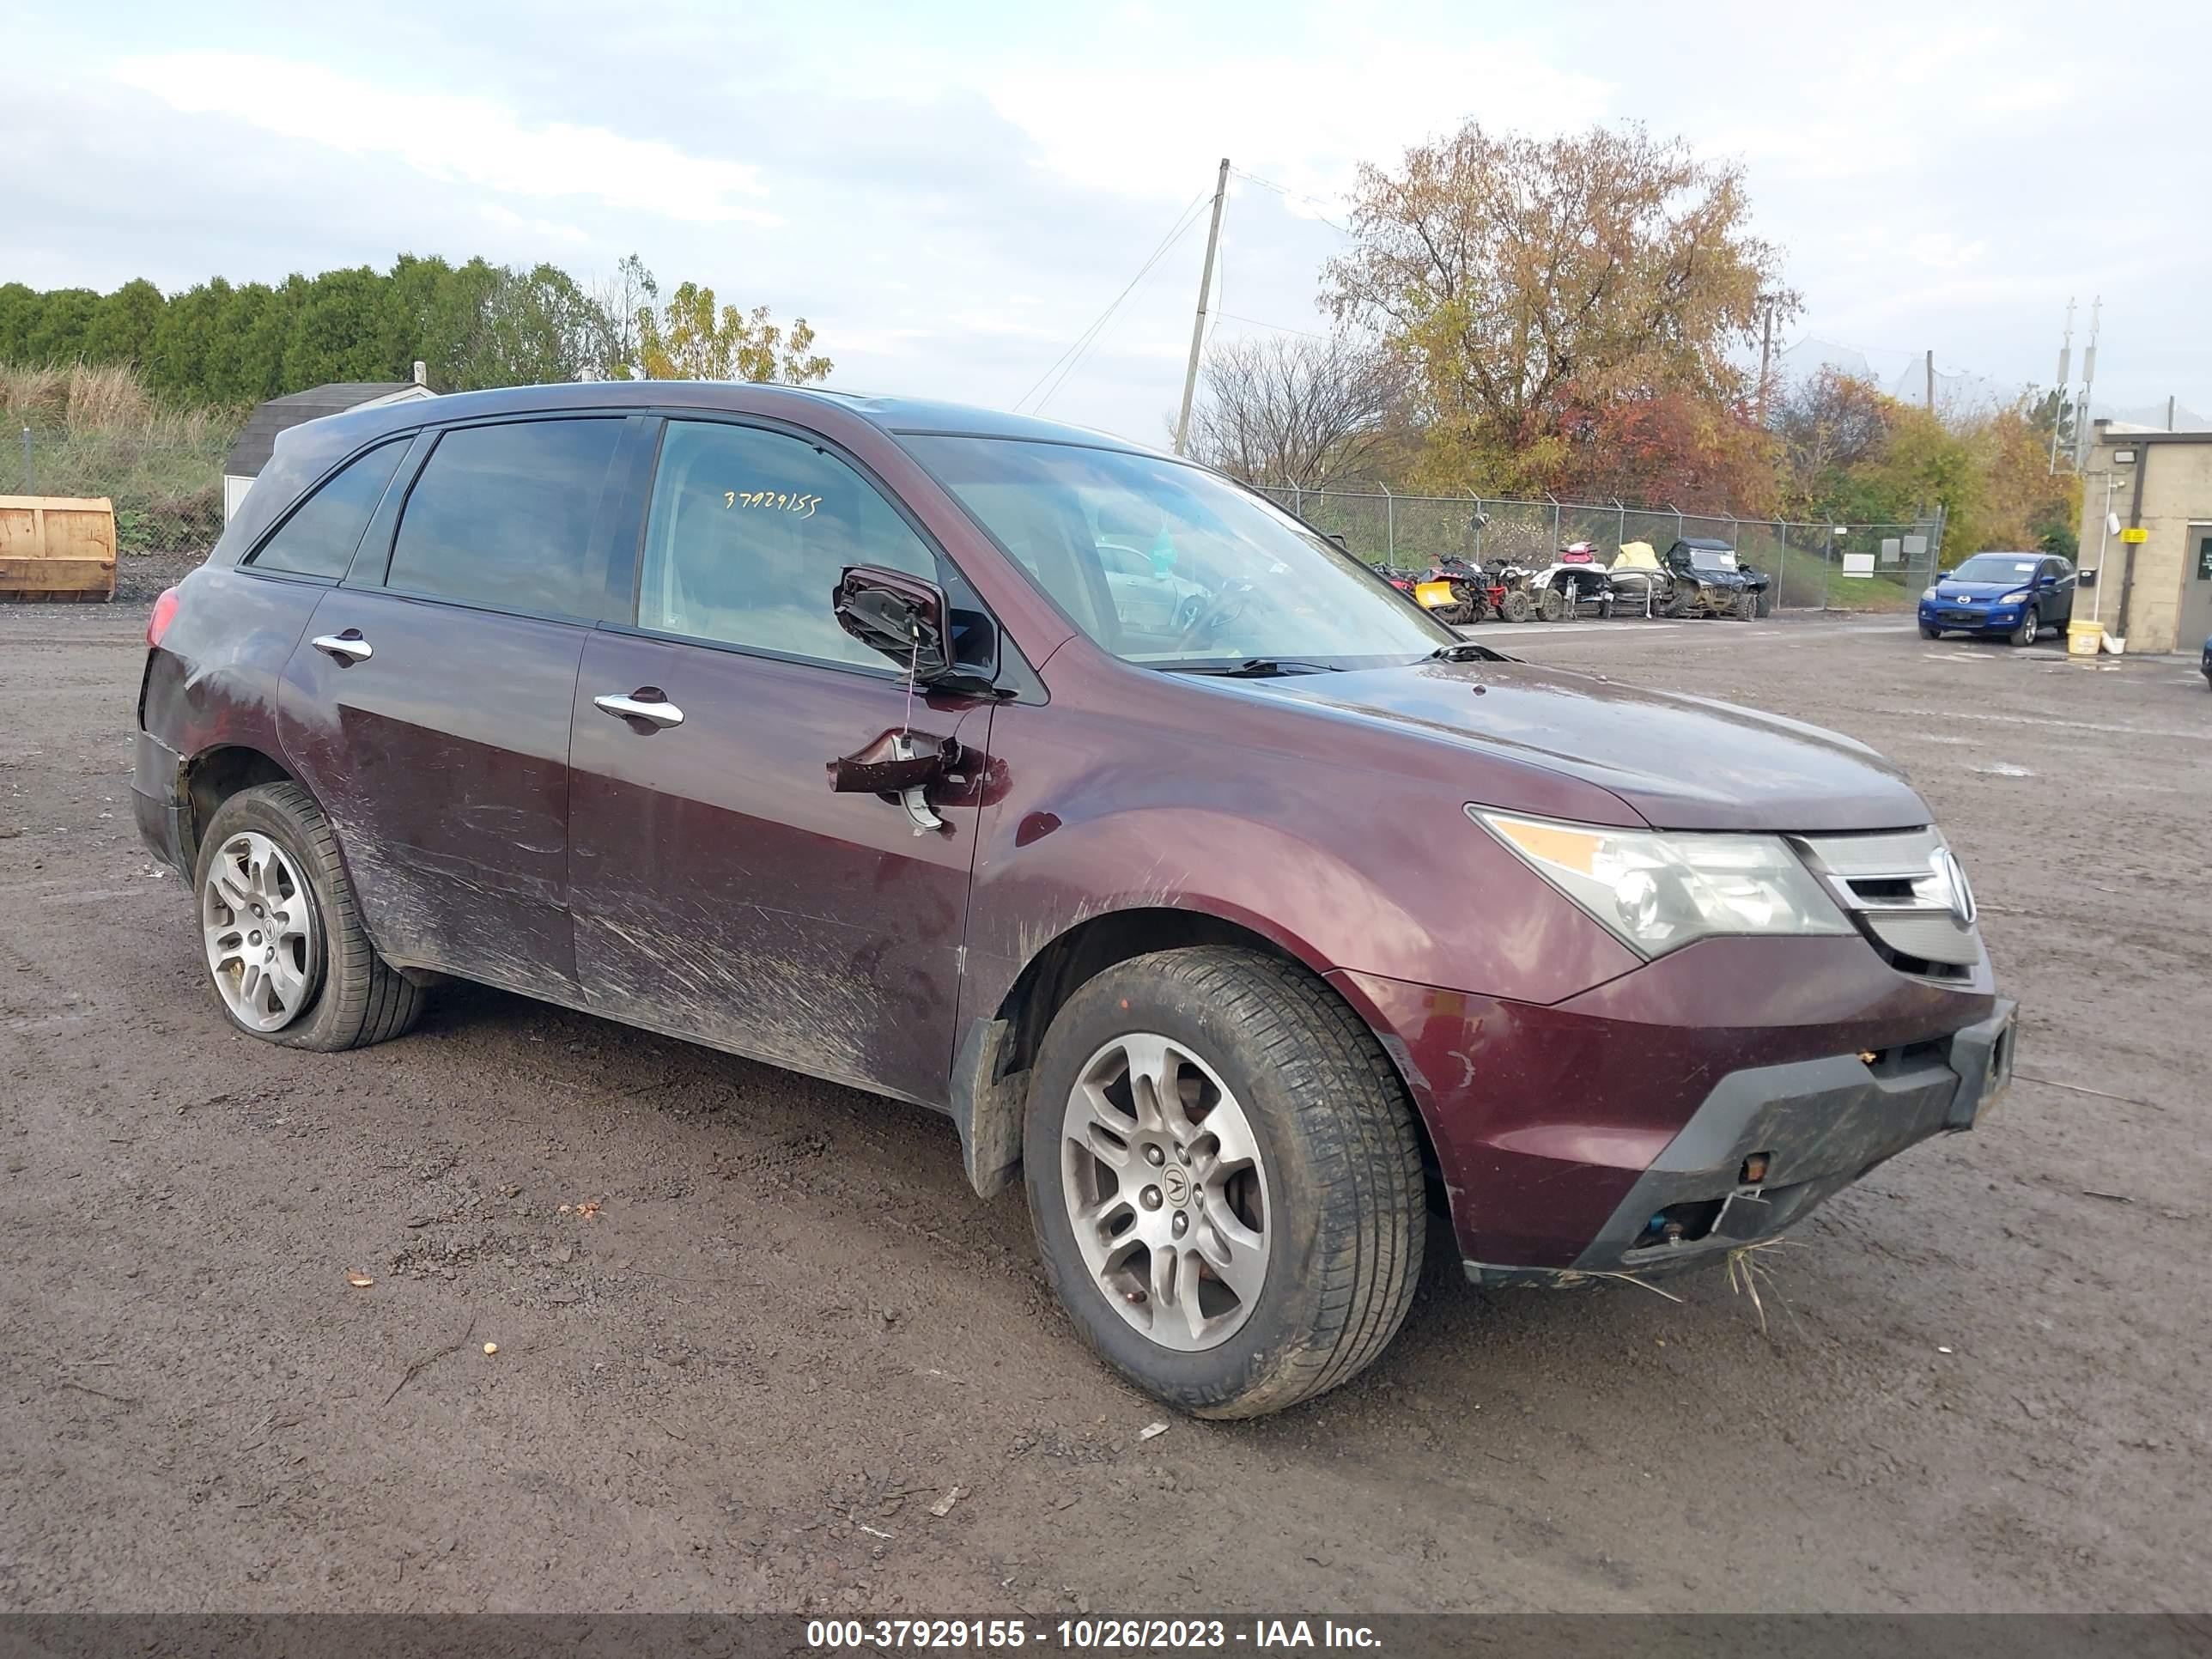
(1814, 567)
(167, 491)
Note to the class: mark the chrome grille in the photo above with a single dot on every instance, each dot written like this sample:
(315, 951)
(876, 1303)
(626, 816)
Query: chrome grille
(1890, 882)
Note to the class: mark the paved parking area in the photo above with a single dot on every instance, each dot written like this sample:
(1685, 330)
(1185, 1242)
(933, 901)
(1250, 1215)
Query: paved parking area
(788, 1330)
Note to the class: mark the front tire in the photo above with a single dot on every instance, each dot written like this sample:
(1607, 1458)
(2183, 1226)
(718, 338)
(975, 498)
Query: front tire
(288, 960)
(1927, 633)
(2024, 633)
(1225, 1177)
(1517, 607)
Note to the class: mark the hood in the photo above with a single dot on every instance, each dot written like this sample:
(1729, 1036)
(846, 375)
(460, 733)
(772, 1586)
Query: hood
(1737, 578)
(1947, 589)
(1681, 763)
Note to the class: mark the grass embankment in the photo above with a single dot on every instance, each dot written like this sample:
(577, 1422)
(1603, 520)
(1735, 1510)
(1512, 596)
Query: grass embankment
(98, 431)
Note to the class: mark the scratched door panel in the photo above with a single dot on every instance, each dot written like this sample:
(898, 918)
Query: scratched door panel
(720, 889)
(442, 759)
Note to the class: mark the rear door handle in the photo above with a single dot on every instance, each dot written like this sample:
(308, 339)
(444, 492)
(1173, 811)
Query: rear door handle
(646, 703)
(348, 646)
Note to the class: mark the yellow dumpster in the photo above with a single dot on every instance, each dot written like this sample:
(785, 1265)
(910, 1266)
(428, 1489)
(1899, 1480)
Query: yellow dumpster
(2083, 638)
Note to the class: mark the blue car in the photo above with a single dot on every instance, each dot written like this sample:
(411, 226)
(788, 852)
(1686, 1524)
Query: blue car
(2208, 662)
(2015, 594)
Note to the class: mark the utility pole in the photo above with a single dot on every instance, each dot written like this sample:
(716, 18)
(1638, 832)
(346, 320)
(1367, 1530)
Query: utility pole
(1931, 380)
(1198, 328)
(2065, 368)
(2083, 415)
(1766, 355)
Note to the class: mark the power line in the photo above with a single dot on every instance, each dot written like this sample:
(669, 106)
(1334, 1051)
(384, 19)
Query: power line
(1183, 223)
(1111, 321)
(1276, 328)
(1295, 195)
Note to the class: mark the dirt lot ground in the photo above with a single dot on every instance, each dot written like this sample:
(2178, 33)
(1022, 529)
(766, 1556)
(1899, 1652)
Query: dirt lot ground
(789, 1330)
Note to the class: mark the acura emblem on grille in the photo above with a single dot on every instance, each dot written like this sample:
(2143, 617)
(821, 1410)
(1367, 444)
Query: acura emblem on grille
(1952, 887)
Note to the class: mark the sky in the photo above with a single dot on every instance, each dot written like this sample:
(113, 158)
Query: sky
(953, 194)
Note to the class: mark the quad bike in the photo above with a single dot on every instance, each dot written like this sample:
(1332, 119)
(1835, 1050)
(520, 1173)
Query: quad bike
(1515, 600)
(1454, 591)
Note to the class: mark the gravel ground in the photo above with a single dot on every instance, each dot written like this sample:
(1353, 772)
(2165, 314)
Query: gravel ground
(772, 1332)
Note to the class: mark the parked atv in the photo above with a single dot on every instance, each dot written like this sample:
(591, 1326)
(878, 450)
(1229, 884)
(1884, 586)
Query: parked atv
(1513, 595)
(1454, 591)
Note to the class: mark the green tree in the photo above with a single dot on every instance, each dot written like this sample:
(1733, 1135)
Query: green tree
(184, 361)
(123, 326)
(334, 335)
(20, 307)
(690, 339)
(64, 320)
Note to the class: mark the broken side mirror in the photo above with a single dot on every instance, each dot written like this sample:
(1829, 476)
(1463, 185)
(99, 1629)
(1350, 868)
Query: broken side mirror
(905, 617)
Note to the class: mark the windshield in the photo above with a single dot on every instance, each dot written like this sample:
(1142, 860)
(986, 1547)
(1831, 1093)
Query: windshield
(1165, 564)
(1995, 567)
(1706, 558)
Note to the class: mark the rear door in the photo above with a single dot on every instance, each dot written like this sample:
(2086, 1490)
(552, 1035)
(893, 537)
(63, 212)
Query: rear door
(722, 891)
(429, 707)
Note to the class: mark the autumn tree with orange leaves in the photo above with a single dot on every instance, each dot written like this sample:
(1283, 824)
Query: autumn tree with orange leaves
(1570, 313)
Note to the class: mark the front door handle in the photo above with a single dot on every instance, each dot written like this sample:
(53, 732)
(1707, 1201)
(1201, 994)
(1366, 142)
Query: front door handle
(646, 703)
(348, 646)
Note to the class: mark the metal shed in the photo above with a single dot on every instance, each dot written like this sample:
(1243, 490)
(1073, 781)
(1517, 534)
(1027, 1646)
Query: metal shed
(252, 450)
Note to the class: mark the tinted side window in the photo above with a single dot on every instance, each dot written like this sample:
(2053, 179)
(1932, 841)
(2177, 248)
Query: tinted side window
(319, 539)
(502, 515)
(748, 534)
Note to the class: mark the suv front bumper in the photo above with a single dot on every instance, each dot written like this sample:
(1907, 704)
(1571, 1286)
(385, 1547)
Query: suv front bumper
(1611, 1132)
(1807, 1129)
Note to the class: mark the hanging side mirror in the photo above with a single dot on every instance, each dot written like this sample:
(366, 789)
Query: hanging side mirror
(904, 617)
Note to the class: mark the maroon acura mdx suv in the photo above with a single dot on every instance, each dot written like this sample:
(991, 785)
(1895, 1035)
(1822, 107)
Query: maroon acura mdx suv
(1077, 792)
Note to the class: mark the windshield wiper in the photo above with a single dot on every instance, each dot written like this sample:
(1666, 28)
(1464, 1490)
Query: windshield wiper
(1252, 668)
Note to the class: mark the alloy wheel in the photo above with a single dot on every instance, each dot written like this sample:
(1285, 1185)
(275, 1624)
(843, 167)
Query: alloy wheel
(1166, 1191)
(257, 916)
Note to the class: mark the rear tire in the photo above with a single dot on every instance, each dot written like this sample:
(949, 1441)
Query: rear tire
(1335, 1169)
(1551, 605)
(350, 996)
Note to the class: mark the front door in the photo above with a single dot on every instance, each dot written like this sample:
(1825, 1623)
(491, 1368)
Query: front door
(2196, 590)
(429, 711)
(722, 891)
(2054, 604)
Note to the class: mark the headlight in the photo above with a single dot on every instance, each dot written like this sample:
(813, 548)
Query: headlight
(2020, 598)
(1659, 890)
(1927, 593)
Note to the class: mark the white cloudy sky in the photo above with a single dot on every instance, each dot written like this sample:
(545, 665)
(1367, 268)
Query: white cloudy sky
(952, 193)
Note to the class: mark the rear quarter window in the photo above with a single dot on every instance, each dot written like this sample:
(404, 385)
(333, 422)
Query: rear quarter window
(320, 539)
(502, 516)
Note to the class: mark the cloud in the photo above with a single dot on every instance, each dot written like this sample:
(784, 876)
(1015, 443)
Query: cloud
(1303, 120)
(452, 138)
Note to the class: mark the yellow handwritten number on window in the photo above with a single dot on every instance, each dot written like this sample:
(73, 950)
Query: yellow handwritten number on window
(777, 500)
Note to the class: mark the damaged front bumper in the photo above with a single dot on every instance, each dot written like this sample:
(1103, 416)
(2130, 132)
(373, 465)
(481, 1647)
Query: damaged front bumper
(1770, 1143)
